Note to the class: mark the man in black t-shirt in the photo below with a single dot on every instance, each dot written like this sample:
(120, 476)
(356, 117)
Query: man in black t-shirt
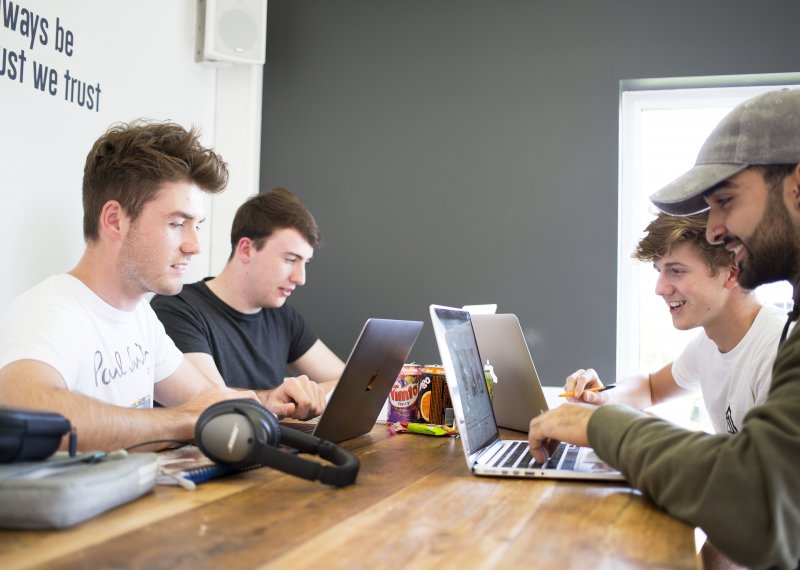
(236, 327)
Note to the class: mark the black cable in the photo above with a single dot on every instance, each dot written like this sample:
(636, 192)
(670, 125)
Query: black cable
(178, 443)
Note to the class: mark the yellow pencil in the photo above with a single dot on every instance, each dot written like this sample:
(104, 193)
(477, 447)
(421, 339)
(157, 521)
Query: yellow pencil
(596, 389)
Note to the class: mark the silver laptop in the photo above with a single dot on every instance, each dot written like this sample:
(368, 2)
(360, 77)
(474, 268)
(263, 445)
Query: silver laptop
(485, 452)
(517, 395)
(369, 374)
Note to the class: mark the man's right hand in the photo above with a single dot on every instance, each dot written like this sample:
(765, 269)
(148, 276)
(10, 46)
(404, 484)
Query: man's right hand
(568, 422)
(579, 383)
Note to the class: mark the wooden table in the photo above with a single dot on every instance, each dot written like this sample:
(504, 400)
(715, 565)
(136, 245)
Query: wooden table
(414, 505)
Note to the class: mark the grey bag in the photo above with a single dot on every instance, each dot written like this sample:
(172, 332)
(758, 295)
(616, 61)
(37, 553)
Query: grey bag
(63, 491)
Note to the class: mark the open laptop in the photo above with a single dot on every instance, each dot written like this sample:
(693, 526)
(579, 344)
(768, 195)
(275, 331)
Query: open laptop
(517, 394)
(369, 374)
(485, 452)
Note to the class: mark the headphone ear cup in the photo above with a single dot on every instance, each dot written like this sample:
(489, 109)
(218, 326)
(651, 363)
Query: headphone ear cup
(233, 431)
(266, 420)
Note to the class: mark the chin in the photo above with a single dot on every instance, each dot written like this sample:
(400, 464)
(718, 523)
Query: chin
(273, 302)
(682, 325)
(168, 288)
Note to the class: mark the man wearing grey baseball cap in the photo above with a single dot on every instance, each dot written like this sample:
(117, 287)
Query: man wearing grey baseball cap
(743, 490)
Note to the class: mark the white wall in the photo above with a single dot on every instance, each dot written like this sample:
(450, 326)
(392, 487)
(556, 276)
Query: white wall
(238, 138)
(141, 54)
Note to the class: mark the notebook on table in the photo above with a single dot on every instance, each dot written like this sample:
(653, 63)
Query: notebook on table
(188, 466)
(369, 374)
(485, 452)
(517, 393)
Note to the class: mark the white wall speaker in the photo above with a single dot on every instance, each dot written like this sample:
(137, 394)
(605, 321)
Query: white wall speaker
(232, 31)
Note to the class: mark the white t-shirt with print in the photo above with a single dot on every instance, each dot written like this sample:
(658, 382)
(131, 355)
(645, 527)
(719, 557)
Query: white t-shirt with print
(112, 355)
(734, 382)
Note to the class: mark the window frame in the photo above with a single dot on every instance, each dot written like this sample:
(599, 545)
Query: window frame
(634, 207)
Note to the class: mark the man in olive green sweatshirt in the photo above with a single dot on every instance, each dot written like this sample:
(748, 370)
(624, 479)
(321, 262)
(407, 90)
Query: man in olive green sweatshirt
(743, 490)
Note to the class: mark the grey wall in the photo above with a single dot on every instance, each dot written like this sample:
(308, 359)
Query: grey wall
(458, 151)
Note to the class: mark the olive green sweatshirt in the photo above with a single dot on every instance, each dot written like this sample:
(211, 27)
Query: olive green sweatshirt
(743, 490)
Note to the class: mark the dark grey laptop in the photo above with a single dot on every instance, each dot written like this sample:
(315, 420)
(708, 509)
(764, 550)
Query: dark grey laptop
(369, 374)
(485, 452)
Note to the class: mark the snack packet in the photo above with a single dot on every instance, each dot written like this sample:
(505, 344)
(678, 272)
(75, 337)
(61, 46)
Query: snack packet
(424, 429)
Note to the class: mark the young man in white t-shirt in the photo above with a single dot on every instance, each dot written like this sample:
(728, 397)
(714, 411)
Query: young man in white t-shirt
(730, 361)
(86, 344)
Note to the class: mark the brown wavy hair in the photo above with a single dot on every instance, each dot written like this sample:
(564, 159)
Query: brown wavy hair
(665, 231)
(130, 162)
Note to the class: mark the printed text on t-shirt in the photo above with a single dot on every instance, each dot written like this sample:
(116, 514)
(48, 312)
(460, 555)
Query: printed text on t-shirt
(105, 374)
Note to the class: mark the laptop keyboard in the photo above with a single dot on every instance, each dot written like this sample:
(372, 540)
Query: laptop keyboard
(303, 427)
(517, 454)
(512, 454)
(570, 458)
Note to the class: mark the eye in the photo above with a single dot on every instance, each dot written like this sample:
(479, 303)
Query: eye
(722, 201)
(176, 225)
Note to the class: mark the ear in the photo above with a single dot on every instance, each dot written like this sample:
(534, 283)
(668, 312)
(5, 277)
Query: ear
(245, 249)
(793, 187)
(732, 282)
(113, 222)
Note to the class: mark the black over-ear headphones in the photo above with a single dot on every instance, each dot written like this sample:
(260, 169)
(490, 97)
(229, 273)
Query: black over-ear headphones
(243, 433)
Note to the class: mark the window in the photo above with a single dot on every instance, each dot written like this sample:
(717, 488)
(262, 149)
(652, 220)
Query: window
(661, 133)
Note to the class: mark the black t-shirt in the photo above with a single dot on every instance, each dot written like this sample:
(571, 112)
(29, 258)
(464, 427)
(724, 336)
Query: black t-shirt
(251, 351)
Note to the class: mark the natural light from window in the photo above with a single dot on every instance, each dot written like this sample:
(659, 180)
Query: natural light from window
(661, 134)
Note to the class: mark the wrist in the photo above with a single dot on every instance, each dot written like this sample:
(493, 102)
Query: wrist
(179, 423)
(264, 397)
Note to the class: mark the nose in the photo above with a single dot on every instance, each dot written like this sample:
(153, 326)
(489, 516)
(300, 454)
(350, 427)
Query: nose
(299, 274)
(663, 287)
(191, 241)
(715, 229)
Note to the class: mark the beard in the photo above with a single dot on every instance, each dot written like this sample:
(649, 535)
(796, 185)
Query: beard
(773, 253)
(136, 265)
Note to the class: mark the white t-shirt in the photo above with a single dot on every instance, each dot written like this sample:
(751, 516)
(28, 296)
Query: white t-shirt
(734, 382)
(100, 351)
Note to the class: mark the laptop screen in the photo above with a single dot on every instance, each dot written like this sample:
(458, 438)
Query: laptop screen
(465, 379)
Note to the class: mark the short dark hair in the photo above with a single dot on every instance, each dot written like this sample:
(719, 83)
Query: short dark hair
(274, 209)
(665, 231)
(130, 162)
(775, 173)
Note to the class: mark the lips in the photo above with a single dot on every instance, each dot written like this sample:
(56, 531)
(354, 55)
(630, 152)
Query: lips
(180, 266)
(675, 306)
(738, 250)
